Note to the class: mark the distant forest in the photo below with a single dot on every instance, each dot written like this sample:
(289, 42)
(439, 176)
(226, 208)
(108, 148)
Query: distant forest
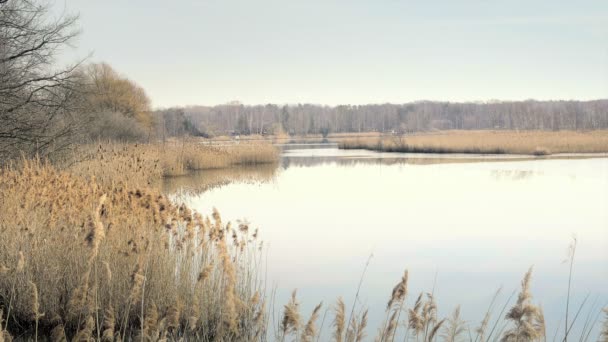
(236, 118)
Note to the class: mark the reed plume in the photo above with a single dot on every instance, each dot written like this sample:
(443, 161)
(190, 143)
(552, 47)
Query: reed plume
(455, 327)
(435, 330)
(259, 321)
(204, 274)
(109, 323)
(415, 321)
(95, 227)
(173, 317)
(150, 327)
(391, 327)
(339, 320)
(524, 315)
(310, 329)
(355, 331)
(399, 291)
(291, 317)
(360, 335)
(429, 312)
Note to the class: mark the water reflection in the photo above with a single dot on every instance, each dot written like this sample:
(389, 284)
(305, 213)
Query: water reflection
(200, 181)
(464, 226)
(513, 174)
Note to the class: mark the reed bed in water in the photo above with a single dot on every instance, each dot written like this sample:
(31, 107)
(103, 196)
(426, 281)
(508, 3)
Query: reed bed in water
(181, 157)
(145, 164)
(487, 142)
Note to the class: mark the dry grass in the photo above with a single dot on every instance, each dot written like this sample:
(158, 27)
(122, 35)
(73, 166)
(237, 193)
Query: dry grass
(180, 158)
(90, 260)
(488, 142)
(142, 165)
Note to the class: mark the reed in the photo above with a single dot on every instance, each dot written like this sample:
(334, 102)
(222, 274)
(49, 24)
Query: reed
(454, 328)
(310, 329)
(291, 318)
(539, 143)
(144, 165)
(528, 324)
(102, 255)
(339, 320)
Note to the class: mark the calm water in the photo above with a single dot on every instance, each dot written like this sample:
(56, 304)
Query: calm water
(463, 225)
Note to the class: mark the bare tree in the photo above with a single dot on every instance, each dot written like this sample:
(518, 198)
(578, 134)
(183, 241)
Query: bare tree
(37, 99)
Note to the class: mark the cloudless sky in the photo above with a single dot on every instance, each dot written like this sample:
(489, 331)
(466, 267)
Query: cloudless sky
(349, 51)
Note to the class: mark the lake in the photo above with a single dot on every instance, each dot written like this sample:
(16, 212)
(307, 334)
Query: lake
(463, 226)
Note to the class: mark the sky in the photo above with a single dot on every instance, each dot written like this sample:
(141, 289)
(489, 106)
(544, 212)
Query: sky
(208, 52)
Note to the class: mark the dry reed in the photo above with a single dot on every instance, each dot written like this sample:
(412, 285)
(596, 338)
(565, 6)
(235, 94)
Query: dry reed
(339, 320)
(89, 244)
(143, 165)
(525, 316)
(487, 142)
(290, 323)
(310, 329)
(454, 329)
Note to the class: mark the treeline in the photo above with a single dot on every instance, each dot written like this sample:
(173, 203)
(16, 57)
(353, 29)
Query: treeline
(298, 119)
(46, 108)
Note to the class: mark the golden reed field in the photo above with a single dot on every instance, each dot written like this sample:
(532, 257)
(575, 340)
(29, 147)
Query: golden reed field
(90, 250)
(487, 142)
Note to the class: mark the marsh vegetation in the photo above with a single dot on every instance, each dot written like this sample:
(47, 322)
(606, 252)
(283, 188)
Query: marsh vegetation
(538, 143)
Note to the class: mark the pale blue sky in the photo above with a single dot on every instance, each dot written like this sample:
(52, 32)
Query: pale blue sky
(356, 51)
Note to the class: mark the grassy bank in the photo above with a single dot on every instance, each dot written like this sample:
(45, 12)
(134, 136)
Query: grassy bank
(487, 142)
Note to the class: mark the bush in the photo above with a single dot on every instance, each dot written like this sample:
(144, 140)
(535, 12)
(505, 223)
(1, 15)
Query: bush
(117, 127)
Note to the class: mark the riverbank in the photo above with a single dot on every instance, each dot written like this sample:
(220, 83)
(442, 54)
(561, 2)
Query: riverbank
(538, 143)
(144, 165)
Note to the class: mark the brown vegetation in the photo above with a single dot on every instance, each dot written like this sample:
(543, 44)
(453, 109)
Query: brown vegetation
(84, 259)
(488, 142)
(145, 164)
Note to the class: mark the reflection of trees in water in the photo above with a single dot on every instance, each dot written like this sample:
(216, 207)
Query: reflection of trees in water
(286, 162)
(201, 181)
(513, 174)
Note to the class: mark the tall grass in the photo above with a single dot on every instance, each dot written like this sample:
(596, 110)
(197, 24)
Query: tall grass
(92, 261)
(183, 157)
(487, 142)
(145, 164)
